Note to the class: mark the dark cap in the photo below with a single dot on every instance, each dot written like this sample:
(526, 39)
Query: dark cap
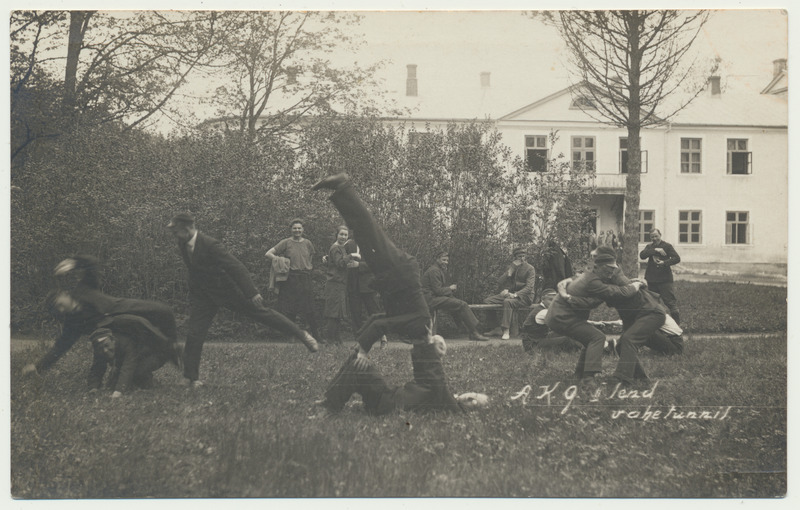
(181, 219)
(520, 251)
(605, 255)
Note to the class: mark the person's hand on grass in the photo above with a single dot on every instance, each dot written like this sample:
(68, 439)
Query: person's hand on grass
(361, 363)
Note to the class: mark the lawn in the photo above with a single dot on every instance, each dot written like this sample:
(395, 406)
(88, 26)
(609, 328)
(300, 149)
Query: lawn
(714, 426)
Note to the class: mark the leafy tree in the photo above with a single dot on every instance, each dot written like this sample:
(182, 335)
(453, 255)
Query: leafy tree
(118, 67)
(431, 189)
(276, 69)
(632, 66)
(552, 205)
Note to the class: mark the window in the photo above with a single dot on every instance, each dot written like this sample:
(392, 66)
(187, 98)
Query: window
(623, 157)
(689, 227)
(736, 227)
(740, 162)
(536, 153)
(583, 103)
(647, 222)
(690, 155)
(583, 152)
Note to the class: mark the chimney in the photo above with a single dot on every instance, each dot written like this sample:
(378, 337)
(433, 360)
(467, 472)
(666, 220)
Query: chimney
(715, 88)
(778, 66)
(411, 80)
(485, 79)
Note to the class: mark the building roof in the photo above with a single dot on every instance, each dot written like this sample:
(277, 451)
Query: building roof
(740, 103)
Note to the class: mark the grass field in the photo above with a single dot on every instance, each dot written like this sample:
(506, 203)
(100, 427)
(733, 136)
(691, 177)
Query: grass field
(252, 431)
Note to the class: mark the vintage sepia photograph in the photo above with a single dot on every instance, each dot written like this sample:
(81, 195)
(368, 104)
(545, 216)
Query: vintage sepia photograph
(324, 253)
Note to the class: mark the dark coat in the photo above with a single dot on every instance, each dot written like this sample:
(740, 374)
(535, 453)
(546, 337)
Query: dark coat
(555, 267)
(522, 281)
(214, 271)
(137, 342)
(359, 279)
(659, 273)
(563, 313)
(436, 284)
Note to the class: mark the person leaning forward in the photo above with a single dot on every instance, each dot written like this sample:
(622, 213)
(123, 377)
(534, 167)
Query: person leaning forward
(80, 306)
(439, 295)
(517, 283)
(217, 279)
(568, 316)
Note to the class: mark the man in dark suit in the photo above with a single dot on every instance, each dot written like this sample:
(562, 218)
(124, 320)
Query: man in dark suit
(517, 284)
(556, 266)
(81, 307)
(439, 295)
(397, 278)
(568, 315)
(361, 297)
(427, 392)
(397, 274)
(661, 256)
(217, 278)
(134, 349)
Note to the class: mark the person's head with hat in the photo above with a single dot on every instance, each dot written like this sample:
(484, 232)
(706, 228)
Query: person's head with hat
(519, 254)
(605, 261)
(182, 226)
(548, 295)
(103, 342)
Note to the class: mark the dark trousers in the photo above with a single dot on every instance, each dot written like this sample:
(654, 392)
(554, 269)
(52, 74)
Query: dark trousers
(296, 297)
(396, 274)
(642, 329)
(377, 396)
(663, 344)
(458, 309)
(590, 360)
(359, 303)
(667, 292)
(204, 308)
(428, 390)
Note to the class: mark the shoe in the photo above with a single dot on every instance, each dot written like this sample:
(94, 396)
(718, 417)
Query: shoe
(331, 182)
(309, 342)
(190, 383)
(478, 337)
(506, 336)
(495, 332)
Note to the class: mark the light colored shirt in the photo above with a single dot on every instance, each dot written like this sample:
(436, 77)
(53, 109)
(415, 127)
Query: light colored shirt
(299, 253)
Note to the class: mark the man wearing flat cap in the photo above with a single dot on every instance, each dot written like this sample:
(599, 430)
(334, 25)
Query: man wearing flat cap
(216, 279)
(517, 284)
(643, 315)
(569, 313)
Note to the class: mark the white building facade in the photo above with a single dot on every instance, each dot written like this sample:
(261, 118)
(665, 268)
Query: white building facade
(714, 181)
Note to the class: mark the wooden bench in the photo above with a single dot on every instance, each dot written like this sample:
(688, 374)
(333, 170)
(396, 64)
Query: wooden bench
(515, 321)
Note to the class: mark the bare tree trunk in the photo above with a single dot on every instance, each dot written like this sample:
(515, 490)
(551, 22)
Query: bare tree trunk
(78, 21)
(633, 186)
